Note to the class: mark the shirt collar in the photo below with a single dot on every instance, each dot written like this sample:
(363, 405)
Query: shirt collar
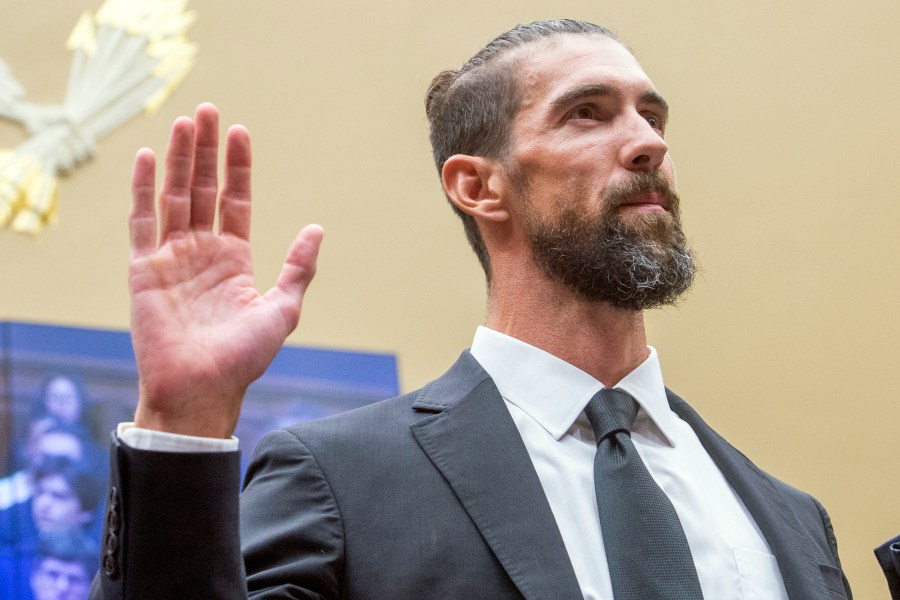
(554, 393)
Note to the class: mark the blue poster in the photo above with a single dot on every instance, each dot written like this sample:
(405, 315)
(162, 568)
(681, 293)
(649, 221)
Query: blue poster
(63, 390)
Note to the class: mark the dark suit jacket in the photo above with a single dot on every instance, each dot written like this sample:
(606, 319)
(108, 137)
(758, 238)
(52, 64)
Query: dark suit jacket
(888, 555)
(429, 495)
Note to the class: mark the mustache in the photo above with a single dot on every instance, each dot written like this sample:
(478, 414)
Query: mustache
(641, 183)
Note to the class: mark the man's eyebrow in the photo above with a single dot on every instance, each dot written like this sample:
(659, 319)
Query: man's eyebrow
(583, 91)
(654, 97)
(601, 89)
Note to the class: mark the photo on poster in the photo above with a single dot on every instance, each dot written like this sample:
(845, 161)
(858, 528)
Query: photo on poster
(64, 390)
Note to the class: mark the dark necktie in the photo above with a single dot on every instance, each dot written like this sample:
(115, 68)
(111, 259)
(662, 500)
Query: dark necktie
(647, 552)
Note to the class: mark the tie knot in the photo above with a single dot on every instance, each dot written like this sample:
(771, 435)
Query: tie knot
(611, 410)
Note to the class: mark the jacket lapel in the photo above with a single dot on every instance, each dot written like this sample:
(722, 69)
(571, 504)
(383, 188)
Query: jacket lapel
(473, 441)
(776, 520)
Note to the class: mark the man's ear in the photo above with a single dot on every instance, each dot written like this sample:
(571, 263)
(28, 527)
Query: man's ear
(475, 185)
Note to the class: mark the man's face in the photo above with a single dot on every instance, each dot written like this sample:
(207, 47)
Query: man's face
(57, 579)
(63, 400)
(56, 506)
(593, 177)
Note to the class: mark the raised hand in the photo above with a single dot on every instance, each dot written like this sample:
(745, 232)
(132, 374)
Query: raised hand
(201, 331)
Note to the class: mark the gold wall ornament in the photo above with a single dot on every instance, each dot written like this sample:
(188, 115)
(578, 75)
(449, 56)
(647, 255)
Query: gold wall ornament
(128, 58)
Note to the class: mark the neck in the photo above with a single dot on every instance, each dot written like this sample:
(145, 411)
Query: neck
(605, 342)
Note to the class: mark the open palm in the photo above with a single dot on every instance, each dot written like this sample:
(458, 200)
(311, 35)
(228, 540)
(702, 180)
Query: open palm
(201, 331)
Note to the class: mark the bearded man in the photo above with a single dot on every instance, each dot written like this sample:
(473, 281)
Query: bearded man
(549, 462)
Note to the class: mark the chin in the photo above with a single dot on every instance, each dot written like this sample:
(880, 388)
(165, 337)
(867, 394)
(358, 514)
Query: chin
(655, 226)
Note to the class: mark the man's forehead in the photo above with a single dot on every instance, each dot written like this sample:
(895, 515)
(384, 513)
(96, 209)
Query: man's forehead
(574, 59)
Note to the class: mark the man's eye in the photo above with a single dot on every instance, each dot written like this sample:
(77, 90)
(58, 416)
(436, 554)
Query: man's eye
(655, 122)
(584, 112)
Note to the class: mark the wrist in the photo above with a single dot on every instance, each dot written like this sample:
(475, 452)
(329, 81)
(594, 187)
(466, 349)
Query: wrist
(204, 423)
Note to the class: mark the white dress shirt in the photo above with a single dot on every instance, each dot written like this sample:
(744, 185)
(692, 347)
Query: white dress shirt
(546, 397)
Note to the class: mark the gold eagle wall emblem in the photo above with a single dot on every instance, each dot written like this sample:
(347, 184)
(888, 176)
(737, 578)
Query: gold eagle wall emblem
(127, 59)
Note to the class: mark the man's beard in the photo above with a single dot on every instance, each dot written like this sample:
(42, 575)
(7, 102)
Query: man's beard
(631, 262)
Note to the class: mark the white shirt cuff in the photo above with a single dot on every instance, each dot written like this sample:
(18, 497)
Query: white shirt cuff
(161, 441)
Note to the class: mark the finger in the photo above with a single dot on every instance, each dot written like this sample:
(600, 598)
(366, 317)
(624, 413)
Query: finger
(142, 218)
(204, 181)
(296, 274)
(175, 196)
(234, 203)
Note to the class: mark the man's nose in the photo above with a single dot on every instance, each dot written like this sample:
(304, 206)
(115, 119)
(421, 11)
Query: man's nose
(645, 148)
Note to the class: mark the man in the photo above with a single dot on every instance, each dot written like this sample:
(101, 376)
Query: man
(48, 439)
(548, 462)
(65, 494)
(65, 498)
(63, 567)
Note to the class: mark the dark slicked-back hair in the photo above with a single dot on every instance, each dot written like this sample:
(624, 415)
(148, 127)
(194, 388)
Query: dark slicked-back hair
(471, 110)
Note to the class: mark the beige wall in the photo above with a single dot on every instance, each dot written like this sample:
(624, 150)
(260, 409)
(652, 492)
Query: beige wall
(785, 132)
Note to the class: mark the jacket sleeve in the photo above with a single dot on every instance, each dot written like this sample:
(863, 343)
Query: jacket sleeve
(888, 555)
(174, 526)
(171, 526)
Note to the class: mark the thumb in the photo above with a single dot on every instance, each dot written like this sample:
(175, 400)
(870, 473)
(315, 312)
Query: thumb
(296, 274)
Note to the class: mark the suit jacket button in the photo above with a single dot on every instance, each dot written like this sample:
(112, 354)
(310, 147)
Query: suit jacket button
(112, 543)
(109, 566)
(113, 521)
